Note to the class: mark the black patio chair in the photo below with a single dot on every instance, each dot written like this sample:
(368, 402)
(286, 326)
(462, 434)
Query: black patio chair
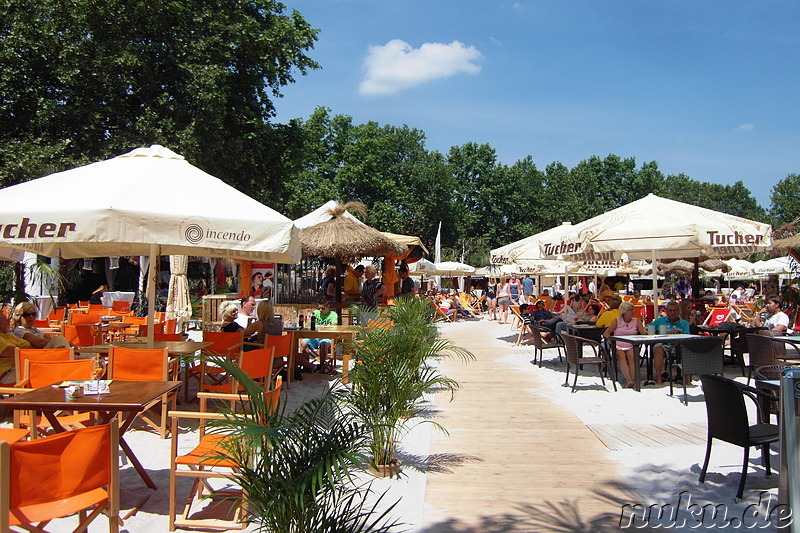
(573, 346)
(764, 351)
(727, 421)
(695, 357)
(540, 345)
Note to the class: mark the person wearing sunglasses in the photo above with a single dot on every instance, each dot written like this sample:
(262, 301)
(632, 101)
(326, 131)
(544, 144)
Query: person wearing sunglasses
(24, 317)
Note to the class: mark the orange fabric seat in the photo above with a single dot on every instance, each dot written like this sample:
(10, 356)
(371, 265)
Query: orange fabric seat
(206, 451)
(60, 475)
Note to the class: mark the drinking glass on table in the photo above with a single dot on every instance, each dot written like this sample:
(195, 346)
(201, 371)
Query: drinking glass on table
(99, 369)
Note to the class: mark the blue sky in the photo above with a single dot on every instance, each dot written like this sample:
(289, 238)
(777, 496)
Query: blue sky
(709, 88)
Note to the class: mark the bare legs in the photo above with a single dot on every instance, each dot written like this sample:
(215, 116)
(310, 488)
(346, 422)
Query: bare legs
(626, 364)
(492, 304)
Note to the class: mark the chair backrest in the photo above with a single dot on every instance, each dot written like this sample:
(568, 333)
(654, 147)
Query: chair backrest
(81, 335)
(559, 305)
(133, 364)
(76, 319)
(45, 373)
(41, 323)
(57, 314)
(167, 337)
(257, 363)
(770, 372)
(121, 306)
(48, 476)
(95, 307)
(702, 356)
(158, 327)
(573, 347)
(763, 350)
(718, 315)
(224, 343)
(726, 410)
(281, 343)
(54, 354)
(170, 325)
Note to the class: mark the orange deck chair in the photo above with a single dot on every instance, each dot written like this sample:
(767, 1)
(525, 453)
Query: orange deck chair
(204, 462)
(57, 476)
(223, 344)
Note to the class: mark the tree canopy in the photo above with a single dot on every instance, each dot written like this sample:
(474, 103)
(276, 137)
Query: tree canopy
(83, 80)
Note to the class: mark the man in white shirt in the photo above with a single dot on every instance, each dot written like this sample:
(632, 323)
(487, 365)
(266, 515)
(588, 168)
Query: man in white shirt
(248, 307)
(778, 320)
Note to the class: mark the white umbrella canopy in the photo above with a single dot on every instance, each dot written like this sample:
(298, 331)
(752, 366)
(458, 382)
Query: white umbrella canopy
(655, 227)
(147, 202)
(778, 265)
(453, 269)
(423, 266)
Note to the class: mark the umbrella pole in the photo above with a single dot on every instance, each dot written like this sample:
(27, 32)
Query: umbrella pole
(151, 293)
(655, 285)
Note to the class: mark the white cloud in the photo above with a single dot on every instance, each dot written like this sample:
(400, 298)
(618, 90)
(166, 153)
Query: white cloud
(744, 128)
(396, 66)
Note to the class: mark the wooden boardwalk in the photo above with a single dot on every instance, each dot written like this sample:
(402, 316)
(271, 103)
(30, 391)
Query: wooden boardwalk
(514, 461)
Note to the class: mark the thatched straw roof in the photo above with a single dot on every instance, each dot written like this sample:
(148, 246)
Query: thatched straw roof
(789, 243)
(346, 239)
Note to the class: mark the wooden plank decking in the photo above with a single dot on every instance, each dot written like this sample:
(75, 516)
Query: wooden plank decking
(516, 461)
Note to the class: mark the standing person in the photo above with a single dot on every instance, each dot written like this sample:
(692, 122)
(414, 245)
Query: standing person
(491, 298)
(373, 290)
(352, 284)
(527, 288)
(515, 289)
(503, 299)
(682, 288)
(625, 324)
(327, 285)
(407, 287)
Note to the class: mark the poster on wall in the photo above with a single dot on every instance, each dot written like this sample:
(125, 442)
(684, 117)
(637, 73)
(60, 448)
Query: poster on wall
(262, 278)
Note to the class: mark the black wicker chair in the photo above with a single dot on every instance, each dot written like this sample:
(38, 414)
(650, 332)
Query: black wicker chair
(573, 346)
(764, 351)
(727, 421)
(700, 356)
(540, 345)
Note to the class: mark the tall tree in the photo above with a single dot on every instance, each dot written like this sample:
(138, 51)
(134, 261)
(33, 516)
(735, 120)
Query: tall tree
(785, 200)
(84, 80)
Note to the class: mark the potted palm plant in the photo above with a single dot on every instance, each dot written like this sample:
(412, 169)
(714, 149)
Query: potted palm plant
(393, 373)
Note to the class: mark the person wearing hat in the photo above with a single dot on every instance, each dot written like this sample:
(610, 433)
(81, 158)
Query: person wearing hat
(352, 284)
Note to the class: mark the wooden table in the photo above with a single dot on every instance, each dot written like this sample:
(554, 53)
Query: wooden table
(129, 397)
(342, 333)
(174, 348)
(649, 341)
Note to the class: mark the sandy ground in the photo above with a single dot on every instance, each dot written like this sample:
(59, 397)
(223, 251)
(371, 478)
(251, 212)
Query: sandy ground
(651, 474)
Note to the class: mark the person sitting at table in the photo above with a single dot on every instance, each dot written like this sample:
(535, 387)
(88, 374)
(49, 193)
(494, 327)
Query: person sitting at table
(777, 320)
(607, 317)
(687, 312)
(247, 308)
(8, 341)
(591, 312)
(323, 316)
(574, 308)
(229, 312)
(625, 324)
(674, 324)
(25, 314)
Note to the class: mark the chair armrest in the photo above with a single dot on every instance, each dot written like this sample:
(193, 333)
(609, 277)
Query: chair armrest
(14, 390)
(221, 396)
(199, 415)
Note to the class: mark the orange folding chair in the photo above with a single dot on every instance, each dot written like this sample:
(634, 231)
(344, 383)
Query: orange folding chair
(158, 327)
(133, 364)
(82, 335)
(76, 319)
(282, 344)
(257, 364)
(56, 316)
(32, 354)
(121, 307)
(71, 472)
(39, 374)
(717, 316)
(207, 461)
(224, 344)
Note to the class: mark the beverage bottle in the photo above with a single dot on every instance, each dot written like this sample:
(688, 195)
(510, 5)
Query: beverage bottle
(313, 323)
(301, 320)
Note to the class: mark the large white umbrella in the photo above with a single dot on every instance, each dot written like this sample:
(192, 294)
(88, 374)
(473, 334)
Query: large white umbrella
(423, 266)
(150, 201)
(453, 269)
(777, 265)
(657, 228)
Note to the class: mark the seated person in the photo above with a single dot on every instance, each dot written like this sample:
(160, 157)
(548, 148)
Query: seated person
(97, 295)
(570, 313)
(674, 324)
(540, 315)
(24, 316)
(323, 316)
(625, 324)
(229, 312)
(607, 317)
(591, 312)
(777, 319)
(463, 311)
(8, 341)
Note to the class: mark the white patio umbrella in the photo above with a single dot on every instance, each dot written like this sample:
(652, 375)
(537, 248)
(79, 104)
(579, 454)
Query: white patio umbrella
(423, 266)
(777, 265)
(179, 305)
(657, 228)
(453, 269)
(150, 201)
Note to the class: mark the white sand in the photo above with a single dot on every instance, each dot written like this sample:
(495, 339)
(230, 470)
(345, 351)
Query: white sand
(653, 475)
